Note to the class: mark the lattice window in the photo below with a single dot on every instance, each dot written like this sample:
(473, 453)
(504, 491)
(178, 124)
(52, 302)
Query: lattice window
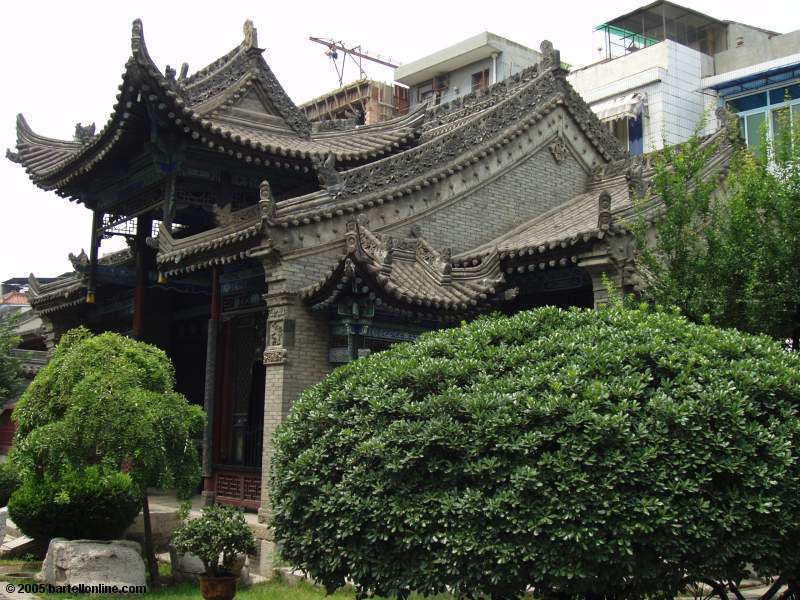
(229, 486)
(252, 489)
(119, 225)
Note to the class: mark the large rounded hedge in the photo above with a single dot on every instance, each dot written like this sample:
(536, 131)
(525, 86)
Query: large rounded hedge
(587, 453)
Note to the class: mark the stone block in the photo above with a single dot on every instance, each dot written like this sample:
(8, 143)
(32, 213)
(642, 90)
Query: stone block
(3, 519)
(163, 522)
(93, 562)
(185, 567)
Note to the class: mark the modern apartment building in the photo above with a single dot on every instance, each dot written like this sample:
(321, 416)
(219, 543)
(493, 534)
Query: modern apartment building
(667, 67)
(468, 66)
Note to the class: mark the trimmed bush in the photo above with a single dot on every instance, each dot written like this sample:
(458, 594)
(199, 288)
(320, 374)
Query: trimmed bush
(9, 481)
(218, 537)
(586, 453)
(78, 505)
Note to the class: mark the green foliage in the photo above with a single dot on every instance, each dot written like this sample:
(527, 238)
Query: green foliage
(108, 400)
(78, 504)
(9, 366)
(728, 249)
(581, 452)
(217, 537)
(9, 481)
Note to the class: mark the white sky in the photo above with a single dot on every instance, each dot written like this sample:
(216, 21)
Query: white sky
(61, 63)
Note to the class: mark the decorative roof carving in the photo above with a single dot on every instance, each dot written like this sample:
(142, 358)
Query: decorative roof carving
(408, 273)
(604, 211)
(518, 107)
(551, 58)
(328, 176)
(84, 133)
(250, 35)
(266, 201)
(559, 150)
(79, 262)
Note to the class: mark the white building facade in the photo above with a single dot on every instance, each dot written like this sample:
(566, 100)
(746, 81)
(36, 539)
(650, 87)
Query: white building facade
(667, 68)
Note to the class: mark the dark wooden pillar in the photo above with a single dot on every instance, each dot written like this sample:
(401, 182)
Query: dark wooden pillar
(143, 230)
(97, 223)
(223, 417)
(209, 490)
(168, 207)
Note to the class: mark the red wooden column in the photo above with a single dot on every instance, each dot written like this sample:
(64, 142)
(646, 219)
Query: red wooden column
(209, 491)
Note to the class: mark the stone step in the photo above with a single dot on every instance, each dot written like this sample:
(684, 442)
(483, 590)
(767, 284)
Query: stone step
(18, 546)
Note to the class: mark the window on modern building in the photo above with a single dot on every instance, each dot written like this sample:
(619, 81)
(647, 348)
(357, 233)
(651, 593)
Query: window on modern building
(425, 91)
(765, 113)
(629, 133)
(480, 80)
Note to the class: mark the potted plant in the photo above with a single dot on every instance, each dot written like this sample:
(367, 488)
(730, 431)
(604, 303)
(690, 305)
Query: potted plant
(219, 537)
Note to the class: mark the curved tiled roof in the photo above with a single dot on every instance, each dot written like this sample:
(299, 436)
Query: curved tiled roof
(407, 273)
(65, 291)
(221, 245)
(206, 107)
(465, 133)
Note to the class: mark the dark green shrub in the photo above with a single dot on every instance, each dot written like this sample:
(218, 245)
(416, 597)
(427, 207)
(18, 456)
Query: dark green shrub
(595, 453)
(9, 481)
(79, 504)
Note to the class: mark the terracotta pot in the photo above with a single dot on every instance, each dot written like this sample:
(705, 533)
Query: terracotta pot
(217, 588)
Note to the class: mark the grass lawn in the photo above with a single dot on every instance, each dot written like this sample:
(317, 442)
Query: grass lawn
(273, 590)
(276, 589)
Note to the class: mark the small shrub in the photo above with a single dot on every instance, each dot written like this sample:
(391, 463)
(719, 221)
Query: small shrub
(9, 481)
(217, 537)
(605, 453)
(77, 505)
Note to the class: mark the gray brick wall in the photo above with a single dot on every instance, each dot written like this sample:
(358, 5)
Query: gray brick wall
(527, 190)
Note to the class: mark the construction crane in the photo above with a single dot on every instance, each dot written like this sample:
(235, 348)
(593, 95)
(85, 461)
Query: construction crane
(355, 53)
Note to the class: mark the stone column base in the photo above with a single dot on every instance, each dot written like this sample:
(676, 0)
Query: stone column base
(267, 557)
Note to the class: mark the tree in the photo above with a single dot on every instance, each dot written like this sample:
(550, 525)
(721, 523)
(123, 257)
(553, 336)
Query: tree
(598, 454)
(727, 248)
(9, 365)
(109, 400)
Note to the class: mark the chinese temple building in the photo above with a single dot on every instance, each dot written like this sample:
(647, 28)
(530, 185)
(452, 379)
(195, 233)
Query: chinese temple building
(262, 253)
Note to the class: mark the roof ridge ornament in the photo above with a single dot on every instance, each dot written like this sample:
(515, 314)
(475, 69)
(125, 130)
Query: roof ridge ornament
(84, 133)
(551, 58)
(250, 35)
(266, 201)
(13, 156)
(79, 262)
(327, 174)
